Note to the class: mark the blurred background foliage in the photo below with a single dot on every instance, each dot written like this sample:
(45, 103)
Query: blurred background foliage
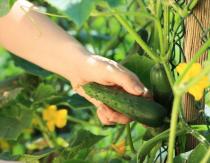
(26, 89)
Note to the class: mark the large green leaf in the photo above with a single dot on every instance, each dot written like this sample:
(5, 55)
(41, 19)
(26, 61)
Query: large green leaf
(76, 10)
(44, 91)
(80, 144)
(85, 138)
(141, 66)
(13, 120)
(198, 153)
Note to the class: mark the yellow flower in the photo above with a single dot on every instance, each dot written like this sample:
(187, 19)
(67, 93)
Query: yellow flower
(119, 148)
(54, 117)
(197, 89)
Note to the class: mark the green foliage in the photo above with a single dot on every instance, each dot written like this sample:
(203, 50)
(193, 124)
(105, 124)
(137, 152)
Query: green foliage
(4, 7)
(80, 145)
(198, 153)
(114, 3)
(135, 33)
(44, 91)
(141, 66)
(9, 96)
(78, 10)
(14, 119)
(34, 158)
(85, 138)
(8, 156)
(207, 99)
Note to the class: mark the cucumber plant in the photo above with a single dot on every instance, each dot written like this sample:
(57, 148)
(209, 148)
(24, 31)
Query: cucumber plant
(145, 36)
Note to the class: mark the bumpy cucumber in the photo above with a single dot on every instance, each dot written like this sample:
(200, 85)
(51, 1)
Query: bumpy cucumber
(137, 108)
(161, 89)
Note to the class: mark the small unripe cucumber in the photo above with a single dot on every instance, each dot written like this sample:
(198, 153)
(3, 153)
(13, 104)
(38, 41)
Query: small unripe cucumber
(137, 108)
(161, 89)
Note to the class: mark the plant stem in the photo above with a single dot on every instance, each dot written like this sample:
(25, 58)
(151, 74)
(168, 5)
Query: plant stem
(206, 157)
(138, 39)
(119, 134)
(160, 35)
(148, 145)
(44, 132)
(193, 60)
(166, 26)
(172, 135)
(183, 12)
(168, 73)
(130, 141)
(76, 120)
(178, 9)
(111, 13)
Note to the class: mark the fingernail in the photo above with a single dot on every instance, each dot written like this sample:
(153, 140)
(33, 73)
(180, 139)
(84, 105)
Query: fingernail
(139, 90)
(145, 90)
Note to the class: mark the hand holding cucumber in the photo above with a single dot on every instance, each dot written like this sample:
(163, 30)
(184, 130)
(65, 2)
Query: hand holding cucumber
(107, 72)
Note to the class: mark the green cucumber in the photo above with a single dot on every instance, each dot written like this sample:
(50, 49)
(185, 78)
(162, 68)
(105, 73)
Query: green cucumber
(161, 89)
(137, 108)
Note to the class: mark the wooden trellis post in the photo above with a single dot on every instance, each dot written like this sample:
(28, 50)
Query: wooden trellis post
(193, 41)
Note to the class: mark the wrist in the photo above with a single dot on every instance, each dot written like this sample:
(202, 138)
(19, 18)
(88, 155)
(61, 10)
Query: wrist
(71, 59)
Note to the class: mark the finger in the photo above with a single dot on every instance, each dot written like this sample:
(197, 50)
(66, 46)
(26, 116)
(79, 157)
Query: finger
(128, 82)
(114, 116)
(147, 94)
(104, 120)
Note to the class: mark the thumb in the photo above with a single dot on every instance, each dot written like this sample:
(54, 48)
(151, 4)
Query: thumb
(129, 82)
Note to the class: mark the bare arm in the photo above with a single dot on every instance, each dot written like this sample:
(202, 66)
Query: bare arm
(34, 37)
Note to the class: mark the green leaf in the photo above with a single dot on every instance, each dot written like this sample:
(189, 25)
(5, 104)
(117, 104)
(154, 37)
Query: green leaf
(77, 10)
(85, 138)
(141, 66)
(13, 120)
(30, 67)
(78, 102)
(153, 152)
(207, 99)
(4, 7)
(8, 156)
(80, 144)
(115, 3)
(8, 96)
(44, 91)
(116, 160)
(76, 161)
(198, 153)
(34, 158)
(179, 159)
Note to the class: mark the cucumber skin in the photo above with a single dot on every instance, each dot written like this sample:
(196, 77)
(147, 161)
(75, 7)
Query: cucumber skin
(162, 92)
(137, 108)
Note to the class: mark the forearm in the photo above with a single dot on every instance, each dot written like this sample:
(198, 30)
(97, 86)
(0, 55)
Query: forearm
(33, 36)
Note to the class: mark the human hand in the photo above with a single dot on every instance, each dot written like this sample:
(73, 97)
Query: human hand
(107, 72)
